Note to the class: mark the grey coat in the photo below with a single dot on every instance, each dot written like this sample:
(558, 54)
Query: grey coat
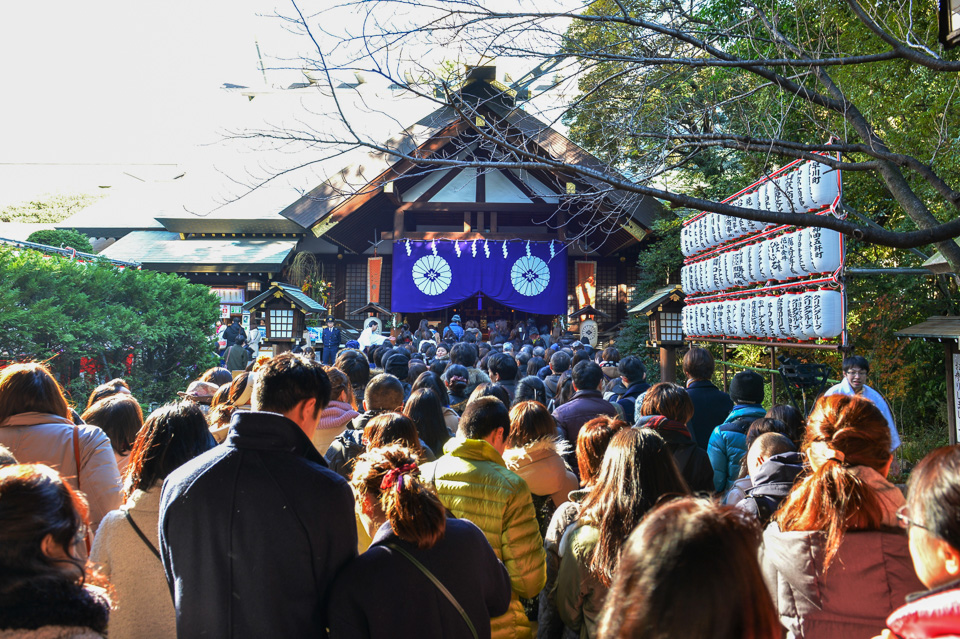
(870, 576)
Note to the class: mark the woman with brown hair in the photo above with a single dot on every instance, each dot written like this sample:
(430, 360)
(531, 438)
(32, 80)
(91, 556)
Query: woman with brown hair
(592, 442)
(172, 435)
(44, 578)
(834, 556)
(228, 399)
(121, 418)
(535, 452)
(337, 415)
(690, 570)
(638, 471)
(667, 408)
(424, 575)
(35, 425)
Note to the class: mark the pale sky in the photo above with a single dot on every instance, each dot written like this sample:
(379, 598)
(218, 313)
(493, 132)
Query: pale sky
(119, 82)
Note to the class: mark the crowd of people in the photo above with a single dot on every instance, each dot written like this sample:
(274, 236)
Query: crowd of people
(443, 485)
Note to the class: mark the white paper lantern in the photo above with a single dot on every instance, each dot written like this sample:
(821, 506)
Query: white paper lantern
(795, 306)
(803, 195)
(824, 184)
(807, 328)
(781, 202)
(827, 313)
(743, 311)
(801, 252)
(751, 265)
(825, 250)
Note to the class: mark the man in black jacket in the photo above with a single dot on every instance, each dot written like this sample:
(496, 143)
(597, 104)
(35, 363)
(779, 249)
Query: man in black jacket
(253, 531)
(710, 404)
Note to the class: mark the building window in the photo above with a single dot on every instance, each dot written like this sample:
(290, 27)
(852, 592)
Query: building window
(607, 290)
(281, 324)
(356, 293)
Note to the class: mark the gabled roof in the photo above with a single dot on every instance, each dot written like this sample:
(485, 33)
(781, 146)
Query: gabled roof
(659, 297)
(290, 292)
(165, 251)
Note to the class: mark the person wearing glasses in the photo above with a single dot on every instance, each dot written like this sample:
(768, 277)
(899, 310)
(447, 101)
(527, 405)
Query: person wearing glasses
(834, 557)
(932, 519)
(856, 369)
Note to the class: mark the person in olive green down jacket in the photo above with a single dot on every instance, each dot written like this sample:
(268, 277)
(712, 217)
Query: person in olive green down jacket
(474, 483)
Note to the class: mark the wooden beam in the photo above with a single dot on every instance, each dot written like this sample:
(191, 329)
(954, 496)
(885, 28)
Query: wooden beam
(481, 185)
(466, 222)
(460, 207)
(398, 224)
(375, 186)
(493, 221)
(442, 182)
(454, 235)
(480, 220)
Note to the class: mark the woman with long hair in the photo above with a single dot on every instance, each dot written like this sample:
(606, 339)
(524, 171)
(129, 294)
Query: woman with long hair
(833, 555)
(35, 425)
(690, 570)
(530, 388)
(592, 442)
(45, 585)
(126, 545)
(932, 520)
(121, 418)
(638, 471)
(424, 575)
(434, 382)
(425, 409)
(337, 415)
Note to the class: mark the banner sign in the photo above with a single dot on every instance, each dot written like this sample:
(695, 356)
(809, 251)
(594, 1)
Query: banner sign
(526, 276)
(374, 267)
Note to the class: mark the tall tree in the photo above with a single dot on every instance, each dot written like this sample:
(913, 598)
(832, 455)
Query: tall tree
(677, 93)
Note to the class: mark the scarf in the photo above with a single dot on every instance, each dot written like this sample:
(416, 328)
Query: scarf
(336, 414)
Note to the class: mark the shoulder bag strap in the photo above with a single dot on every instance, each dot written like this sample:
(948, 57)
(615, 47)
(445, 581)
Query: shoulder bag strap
(76, 458)
(136, 529)
(440, 586)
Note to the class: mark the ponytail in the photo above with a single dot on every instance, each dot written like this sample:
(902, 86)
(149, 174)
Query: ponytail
(843, 432)
(391, 476)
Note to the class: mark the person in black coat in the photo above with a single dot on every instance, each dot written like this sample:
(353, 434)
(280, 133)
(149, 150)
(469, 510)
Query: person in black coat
(633, 374)
(233, 332)
(710, 404)
(331, 342)
(253, 531)
(666, 408)
(388, 591)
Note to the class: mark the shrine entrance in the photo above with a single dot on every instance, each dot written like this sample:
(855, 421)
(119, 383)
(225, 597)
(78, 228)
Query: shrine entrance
(484, 313)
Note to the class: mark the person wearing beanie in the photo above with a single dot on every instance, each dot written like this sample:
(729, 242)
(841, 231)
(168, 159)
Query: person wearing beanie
(728, 442)
(455, 327)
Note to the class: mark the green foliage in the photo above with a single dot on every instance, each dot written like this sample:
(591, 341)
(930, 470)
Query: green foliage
(49, 210)
(913, 109)
(60, 238)
(57, 310)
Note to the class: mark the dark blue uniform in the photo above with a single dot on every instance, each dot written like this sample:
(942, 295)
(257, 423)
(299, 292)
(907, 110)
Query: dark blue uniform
(331, 344)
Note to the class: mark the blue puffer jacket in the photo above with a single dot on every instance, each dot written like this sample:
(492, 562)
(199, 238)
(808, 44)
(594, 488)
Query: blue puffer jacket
(728, 444)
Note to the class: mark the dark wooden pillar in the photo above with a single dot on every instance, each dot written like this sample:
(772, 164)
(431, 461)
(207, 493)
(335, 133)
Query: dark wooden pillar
(668, 363)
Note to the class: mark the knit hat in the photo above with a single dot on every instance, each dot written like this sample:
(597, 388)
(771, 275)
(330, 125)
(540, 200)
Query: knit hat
(747, 388)
(397, 365)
